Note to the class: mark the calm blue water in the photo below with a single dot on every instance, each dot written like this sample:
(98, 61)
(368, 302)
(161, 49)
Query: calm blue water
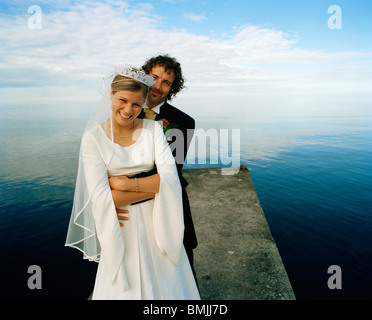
(312, 172)
(317, 200)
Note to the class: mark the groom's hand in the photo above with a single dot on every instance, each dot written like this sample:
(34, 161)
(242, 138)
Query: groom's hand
(122, 218)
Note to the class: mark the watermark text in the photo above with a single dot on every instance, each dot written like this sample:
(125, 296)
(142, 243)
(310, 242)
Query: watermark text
(35, 21)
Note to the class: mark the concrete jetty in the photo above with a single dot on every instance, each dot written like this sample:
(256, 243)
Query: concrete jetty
(237, 258)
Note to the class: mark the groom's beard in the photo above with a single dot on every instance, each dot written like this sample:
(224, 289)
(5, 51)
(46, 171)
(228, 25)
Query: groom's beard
(156, 97)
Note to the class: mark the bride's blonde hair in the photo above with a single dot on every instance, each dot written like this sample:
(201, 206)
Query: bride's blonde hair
(123, 83)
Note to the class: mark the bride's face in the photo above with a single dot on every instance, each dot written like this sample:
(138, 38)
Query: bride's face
(126, 106)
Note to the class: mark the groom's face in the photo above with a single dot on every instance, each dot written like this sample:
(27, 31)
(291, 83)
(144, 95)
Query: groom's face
(159, 91)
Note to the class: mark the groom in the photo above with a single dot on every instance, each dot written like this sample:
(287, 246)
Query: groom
(167, 73)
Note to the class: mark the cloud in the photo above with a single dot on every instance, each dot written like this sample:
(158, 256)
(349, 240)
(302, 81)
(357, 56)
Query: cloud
(195, 17)
(76, 47)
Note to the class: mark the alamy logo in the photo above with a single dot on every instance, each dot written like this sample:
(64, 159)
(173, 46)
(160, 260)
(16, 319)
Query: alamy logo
(335, 281)
(34, 22)
(335, 21)
(34, 281)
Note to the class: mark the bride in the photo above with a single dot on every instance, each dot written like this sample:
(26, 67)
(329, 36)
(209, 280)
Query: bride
(145, 258)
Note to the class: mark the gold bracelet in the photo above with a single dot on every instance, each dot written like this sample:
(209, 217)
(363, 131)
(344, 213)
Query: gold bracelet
(137, 187)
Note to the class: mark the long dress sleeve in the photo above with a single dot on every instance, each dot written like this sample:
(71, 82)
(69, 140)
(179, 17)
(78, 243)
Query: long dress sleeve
(95, 157)
(168, 210)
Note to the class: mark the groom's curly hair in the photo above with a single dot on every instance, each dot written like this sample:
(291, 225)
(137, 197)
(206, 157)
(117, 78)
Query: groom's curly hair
(169, 64)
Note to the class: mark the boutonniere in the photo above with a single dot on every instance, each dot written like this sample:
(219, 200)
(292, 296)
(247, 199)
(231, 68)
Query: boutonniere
(166, 125)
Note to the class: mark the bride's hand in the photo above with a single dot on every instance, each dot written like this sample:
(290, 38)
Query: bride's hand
(118, 183)
(121, 218)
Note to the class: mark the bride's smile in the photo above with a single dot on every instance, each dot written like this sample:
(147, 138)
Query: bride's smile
(125, 116)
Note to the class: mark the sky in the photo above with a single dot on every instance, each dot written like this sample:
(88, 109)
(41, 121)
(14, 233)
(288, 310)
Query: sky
(267, 52)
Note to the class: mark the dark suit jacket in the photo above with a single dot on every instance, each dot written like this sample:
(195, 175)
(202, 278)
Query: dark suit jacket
(179, 144)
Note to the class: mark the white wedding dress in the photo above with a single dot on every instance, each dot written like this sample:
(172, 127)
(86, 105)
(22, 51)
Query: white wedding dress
(145, 259)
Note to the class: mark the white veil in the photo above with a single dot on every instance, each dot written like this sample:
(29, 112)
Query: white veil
(82, 230)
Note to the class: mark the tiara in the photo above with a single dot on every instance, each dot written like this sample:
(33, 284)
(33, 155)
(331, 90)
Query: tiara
(138, 75)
